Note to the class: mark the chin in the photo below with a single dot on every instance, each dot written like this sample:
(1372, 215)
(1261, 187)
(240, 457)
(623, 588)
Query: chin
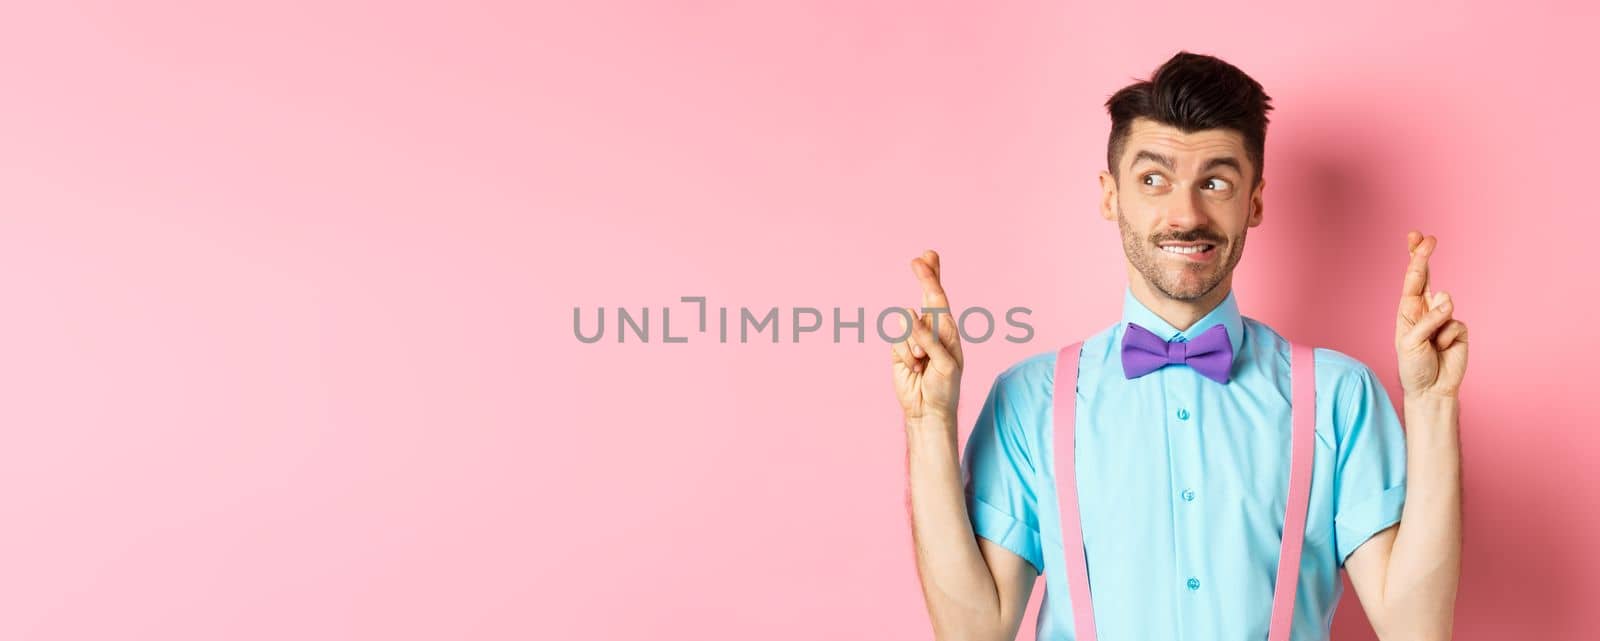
(1185, 294)
(1185, 286)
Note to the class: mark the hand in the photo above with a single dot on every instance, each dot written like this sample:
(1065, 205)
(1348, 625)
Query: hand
(1430, 342)
(927, 368)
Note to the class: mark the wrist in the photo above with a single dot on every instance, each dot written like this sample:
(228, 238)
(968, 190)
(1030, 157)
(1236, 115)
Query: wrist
(926, 422)
(1431, 399)
(1430, 413)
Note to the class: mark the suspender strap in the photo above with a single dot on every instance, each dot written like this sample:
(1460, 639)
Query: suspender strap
(1302, 444)
(1302, 375)
(1066, 408)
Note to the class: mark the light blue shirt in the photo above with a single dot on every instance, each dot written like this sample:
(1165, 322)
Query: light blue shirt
(1183, 481)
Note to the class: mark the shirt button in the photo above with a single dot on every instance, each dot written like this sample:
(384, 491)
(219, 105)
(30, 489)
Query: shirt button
(1183, 414)
(1194, 584)
(1188, 495)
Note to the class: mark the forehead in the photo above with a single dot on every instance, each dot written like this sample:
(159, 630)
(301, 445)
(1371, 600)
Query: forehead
(1188, 150)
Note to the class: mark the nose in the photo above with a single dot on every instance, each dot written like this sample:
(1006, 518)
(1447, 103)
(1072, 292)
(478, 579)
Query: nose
(1186, 212)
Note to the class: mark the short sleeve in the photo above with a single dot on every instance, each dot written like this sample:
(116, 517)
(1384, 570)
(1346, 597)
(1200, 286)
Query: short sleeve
(997, 471)
(1370, 467)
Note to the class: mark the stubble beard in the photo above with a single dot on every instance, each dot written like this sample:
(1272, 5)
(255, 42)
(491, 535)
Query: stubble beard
(1178, 285)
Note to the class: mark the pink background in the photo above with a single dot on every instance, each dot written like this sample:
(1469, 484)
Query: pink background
(289, 349)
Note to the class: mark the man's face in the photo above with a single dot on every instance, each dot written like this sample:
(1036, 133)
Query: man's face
(1184, 203)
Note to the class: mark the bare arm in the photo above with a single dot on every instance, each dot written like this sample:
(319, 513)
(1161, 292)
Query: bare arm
(1407, 575)
(975, 590)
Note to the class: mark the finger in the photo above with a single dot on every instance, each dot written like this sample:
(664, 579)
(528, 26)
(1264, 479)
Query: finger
(1455, 331)
(950, 337)
(1428, 324)
(938, 324)
(939, 358)
(901, 353)
(1416, 280)
(916, 319)
(934, 300)
(938, 273)
(941, 323)
(915, 357)
(928, 274)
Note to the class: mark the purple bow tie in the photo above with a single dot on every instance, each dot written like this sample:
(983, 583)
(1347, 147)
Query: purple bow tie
(1210, 353)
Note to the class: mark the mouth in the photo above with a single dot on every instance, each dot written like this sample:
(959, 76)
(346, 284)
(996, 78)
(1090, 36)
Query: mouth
(1190, 252)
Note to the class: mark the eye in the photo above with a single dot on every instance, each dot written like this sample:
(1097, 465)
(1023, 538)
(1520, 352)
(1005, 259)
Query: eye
(1224, 185)
(1147, 177)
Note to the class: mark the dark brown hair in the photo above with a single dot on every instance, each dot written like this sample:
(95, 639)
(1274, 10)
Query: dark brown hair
(1192, 92)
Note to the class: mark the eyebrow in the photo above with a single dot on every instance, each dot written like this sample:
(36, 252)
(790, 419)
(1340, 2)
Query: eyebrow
(1223, 161)
(1146, 154)
(1166, 161)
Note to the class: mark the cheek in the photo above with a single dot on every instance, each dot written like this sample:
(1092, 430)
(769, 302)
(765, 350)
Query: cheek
(1231, 214)
(1139, 215)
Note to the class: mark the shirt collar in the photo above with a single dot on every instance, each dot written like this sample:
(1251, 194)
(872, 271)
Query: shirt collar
(1225, 313)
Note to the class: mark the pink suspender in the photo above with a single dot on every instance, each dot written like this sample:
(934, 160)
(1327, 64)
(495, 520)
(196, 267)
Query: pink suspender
(1303, 442)
(1302, 375)
(1066, 411)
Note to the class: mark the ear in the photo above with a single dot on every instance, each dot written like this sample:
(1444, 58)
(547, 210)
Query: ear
(1256, 203)
(1108, 195)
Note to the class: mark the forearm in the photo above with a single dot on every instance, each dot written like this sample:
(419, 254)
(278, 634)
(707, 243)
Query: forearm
(963, 601)
(1425, 564)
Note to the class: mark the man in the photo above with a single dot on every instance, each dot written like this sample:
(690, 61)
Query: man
(1182, 475)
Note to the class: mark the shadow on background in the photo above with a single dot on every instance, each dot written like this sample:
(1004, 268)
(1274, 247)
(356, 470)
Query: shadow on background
(1338, 206)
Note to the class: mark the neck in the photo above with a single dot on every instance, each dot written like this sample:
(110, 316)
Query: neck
(1179, 313)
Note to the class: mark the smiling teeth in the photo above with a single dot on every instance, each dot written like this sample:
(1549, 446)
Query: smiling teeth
(1186, 250)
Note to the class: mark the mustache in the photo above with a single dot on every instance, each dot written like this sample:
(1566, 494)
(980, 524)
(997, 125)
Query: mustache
(1188, 237)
